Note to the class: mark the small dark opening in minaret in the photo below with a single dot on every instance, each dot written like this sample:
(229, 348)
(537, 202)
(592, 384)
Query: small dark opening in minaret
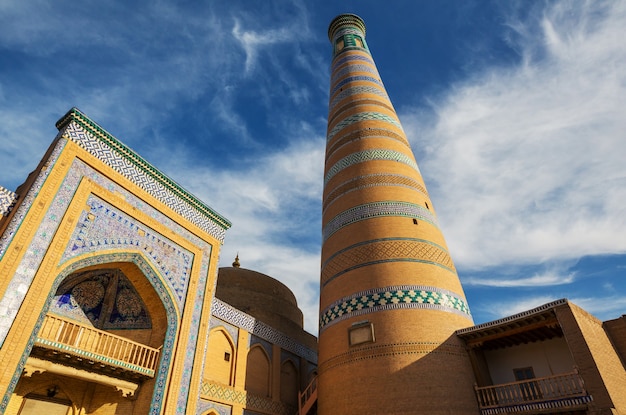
(227, 356)
(414, 221)
(426, 203)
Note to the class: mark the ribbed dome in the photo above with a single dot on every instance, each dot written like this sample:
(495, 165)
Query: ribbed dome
(259, 295)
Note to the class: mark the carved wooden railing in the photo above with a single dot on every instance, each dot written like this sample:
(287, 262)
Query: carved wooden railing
(551, 388)
(86, 342)
(307, 398)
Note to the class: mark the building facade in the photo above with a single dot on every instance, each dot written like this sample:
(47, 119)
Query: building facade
(107, 295)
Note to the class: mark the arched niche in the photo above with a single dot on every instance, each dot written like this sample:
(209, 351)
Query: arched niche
(258, 373)
(158, 303)
(220, 358)
(289, 383)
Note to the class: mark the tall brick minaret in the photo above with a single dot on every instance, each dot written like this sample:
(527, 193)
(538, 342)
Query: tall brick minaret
(390, 296)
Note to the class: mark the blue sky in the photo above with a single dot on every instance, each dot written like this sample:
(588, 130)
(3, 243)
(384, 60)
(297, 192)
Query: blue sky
(515, 112)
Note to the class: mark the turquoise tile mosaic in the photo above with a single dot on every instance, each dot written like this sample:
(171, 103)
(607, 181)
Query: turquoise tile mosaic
(389, 298)
(375, 210)
(369, 155)
(361, 116)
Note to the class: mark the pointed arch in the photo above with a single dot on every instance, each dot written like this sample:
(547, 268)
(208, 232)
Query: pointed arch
(161, 289)
(258, 371)
(289, 383)
(220, 358)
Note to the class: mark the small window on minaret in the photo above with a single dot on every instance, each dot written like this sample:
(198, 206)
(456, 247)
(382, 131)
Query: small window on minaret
(414, 221)
(426, 203)
(227, 356)
(339, 45)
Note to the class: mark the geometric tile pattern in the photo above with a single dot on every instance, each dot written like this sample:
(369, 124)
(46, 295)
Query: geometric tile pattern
(105, 227)
(224, 311)
(354, 79)
(378, 251)
(112, 152)
(7, 201)
(364, 134)
(375, 210)
(362, 116)
(354, 90)
(211, 390)
(369, 155)
(351, 58)
(353, 69)
(371, 180)
(359, 102)
(203, 406)
(391, 298)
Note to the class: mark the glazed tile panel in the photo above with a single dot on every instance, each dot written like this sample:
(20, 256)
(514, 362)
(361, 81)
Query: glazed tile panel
(389, 298)
(376, 210)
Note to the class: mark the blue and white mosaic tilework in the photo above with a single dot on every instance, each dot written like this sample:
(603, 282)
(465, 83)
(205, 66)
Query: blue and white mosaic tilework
(109, 150)
(205, 406)
(374, 210)
(349, 58)
(369, 155)
(7, 201)
(362, 116)
(21, 280)
(356, 78)
(103, 227)
(353, 69)
(389, 298)
(225, 312)
(355, 90)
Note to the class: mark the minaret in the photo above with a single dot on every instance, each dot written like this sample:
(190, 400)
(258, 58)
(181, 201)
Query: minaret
(390, 297)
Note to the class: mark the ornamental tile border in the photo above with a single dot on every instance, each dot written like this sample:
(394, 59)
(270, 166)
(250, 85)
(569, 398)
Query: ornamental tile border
(385, 250)
(365, 134)
(94, 139)
(369, 155)
(204, 406)
(356, 90)
(356, 57)
(371, 180)
(7, 200)
(352, 69)
(359, 117)
(390, 298)
(105, 227)
(355, 79)
(241, 397)
(233, 316)
(375, 210)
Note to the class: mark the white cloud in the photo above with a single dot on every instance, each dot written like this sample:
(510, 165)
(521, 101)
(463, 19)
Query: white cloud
(547, 278)
(526, 163)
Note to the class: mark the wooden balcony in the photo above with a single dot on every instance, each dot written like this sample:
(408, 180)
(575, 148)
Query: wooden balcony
(87, 347)
(307, 400)
(552, 394)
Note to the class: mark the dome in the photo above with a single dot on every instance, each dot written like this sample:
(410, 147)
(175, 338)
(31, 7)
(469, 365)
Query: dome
(260, 296)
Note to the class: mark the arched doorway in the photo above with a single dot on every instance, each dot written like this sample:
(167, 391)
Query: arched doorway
(107, 313)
